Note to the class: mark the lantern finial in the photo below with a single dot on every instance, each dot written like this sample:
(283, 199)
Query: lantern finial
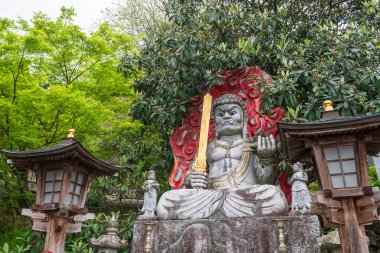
(328, 105)
(70, 133)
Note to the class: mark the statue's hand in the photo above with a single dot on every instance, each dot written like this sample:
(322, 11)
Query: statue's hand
(198, 180)
(266, 148)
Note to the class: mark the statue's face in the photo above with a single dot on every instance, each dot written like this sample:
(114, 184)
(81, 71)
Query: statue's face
(297, 167)
(229, 120)
(151, 176)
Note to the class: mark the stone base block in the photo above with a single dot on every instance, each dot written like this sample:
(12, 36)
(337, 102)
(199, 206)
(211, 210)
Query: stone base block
(240, 235)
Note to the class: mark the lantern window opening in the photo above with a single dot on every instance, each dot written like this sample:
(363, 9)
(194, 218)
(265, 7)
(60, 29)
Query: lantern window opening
(53, 185)
(341, 165)
(75, 189)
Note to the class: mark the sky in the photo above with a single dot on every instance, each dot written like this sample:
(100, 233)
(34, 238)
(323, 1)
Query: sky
(88, 11)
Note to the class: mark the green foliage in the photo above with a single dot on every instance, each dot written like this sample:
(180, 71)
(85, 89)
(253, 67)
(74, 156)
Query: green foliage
(79, 246)
(313, 186)
(292, 115)
(54, 77)
(134, 17)
(108, 194)
(374, 181)
(312, 52)
(24, 240)
(33, 240)
(5, 248)
(14, 196)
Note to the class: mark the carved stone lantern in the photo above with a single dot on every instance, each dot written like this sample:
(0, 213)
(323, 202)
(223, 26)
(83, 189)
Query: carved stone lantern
(109, 242)
(63, 174)
(339, 147)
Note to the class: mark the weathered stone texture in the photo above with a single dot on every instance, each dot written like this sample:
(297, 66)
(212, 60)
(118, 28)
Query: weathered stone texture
(240, 235)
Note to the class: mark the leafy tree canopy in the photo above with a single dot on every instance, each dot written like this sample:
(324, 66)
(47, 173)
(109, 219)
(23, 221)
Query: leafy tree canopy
(314, 51)
(135, 17)
(54, 77)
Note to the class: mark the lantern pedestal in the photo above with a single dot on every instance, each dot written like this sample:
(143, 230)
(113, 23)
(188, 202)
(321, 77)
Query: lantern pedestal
(56, 225)
(350, 214)
(56, 234)
(350, 229)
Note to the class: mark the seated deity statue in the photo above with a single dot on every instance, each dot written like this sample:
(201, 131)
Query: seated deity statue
(240, 173)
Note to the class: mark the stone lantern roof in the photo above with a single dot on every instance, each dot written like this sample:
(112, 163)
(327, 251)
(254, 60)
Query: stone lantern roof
(68, 149)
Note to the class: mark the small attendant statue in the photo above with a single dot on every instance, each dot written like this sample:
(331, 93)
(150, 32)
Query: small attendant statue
(150, 187)
(301, 200)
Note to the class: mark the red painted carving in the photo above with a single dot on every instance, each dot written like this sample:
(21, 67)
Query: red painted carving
(247, 83)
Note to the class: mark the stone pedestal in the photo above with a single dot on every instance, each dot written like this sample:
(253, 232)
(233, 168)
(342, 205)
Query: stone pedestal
(256, 234)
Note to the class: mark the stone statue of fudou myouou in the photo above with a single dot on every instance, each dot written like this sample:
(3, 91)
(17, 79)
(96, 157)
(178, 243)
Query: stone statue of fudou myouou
(239, 176)
(301, 200)
(150, 187)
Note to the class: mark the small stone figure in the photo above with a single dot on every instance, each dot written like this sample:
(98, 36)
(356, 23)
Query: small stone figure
(150, 187)
(301, 200)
